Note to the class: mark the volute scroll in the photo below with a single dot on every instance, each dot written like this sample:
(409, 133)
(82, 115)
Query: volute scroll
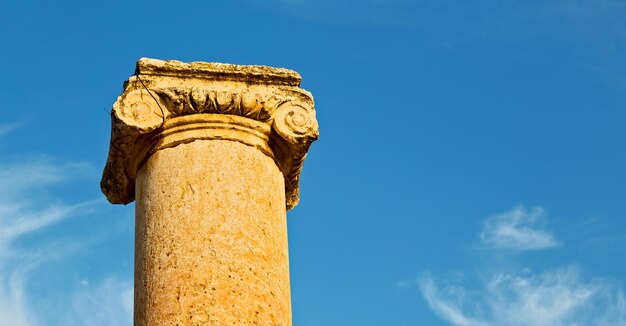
(165, 90)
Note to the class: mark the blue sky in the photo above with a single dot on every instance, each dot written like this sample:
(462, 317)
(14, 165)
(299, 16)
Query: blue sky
(470, 169)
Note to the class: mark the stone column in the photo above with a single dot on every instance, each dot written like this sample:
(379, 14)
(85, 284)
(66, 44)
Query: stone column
(212, 154)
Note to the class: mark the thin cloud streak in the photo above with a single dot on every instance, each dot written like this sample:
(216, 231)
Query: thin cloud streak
(447, 309)
(7, 128)
(108, 303)
(25, 208)
(13, 307)
(21, 222)
(556, 297)
(27, 175)
(517, 229)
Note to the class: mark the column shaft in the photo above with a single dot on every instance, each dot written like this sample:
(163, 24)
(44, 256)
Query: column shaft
(212, 154)
(211, 237)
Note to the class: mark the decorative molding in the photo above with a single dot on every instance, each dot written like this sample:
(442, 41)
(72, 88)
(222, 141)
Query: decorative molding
(170, 97)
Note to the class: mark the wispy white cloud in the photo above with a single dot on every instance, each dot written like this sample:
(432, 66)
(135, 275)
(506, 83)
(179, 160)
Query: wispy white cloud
(8, 127)
(26, 207)
(32, 174)
(13, 306)
(447, 303)
(107, 303)
(517, 229)
(33, 206)
(559, 296)
(556, 297)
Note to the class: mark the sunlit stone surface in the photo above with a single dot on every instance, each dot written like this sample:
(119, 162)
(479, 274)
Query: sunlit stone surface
(212, 154)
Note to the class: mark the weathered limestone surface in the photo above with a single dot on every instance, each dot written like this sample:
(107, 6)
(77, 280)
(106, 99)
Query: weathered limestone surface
(212, 153)
(212, 238)
(161, 90)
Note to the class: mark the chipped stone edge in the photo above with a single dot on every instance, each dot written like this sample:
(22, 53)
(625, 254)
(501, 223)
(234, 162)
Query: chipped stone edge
(218, 71)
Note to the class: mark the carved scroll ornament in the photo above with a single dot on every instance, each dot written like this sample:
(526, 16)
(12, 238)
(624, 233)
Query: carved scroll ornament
(264, 104)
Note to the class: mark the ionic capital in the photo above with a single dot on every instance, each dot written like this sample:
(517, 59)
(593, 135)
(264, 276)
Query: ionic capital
(167, 103)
